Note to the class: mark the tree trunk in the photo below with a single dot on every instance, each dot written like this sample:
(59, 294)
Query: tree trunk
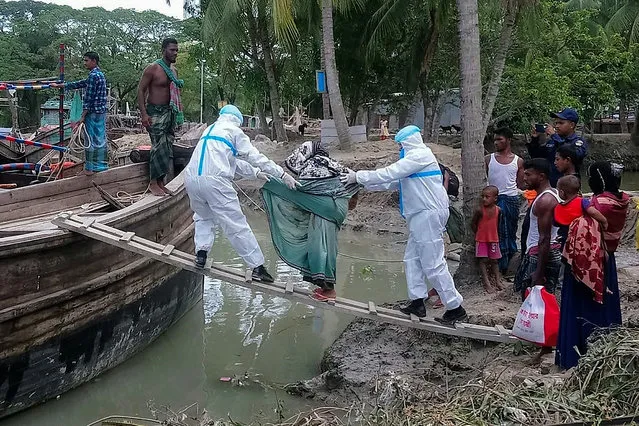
(269, 65)
(427, 60)
(370, 118)
(505, 41)
(431, 43)
(259, 106)
(437, 117)
(623, 116)
(472, 154)
(427, 101)
(354, 108)
(326, 104)
(332, 78)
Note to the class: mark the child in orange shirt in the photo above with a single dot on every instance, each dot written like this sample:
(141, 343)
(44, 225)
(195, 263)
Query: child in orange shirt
(485, 225)
(573, 206)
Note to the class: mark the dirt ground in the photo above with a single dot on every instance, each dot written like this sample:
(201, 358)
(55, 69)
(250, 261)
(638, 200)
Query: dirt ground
(380, 363)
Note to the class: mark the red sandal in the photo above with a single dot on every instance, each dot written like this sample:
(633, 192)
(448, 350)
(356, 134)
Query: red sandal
(320, 296)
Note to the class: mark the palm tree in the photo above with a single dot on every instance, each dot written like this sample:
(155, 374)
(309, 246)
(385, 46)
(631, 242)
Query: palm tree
(426, 20)
(239, 30)
(332, 77)
(287, 32)
(473, 173)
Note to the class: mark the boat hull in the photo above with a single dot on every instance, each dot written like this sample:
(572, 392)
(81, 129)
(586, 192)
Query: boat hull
(72, 307)
(67, 361)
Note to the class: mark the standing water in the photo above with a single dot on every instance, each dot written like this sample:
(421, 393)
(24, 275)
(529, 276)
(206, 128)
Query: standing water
(233, 331)
(629, 181)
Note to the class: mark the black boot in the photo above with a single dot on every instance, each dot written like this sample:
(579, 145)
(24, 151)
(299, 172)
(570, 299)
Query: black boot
(454, 315)
(200, 259)
(261, 274)
(415, 307)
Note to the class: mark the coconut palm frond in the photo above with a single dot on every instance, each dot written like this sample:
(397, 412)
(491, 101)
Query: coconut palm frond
(634, 32)
(349, 6)
(623, 19)
(385, 24)
(284, 21)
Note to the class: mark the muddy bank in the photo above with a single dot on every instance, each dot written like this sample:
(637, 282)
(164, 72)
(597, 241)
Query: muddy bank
(390, 366)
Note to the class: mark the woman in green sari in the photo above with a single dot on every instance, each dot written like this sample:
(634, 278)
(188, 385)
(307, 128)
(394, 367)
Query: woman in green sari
(304, 223)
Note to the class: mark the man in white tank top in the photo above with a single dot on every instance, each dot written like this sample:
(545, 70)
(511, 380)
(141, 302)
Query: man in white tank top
(541, 263)
(506, 172)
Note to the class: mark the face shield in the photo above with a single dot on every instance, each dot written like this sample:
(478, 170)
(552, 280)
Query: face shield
(407, 137)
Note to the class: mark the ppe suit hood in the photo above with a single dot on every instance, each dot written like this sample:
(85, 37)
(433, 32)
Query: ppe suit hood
(232, 114)
(409, 138)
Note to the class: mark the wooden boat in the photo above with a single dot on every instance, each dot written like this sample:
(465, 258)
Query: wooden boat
(72, 307)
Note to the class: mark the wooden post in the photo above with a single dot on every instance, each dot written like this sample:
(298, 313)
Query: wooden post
(61, 104)
(13, 106)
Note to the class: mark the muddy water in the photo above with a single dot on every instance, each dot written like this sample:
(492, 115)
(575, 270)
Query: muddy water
(233, 331)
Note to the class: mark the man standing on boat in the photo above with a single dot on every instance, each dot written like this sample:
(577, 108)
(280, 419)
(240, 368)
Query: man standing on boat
(161, 112)
(94, 111)
(222, 151)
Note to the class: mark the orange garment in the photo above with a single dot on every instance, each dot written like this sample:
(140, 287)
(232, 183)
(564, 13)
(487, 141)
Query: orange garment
(566, 213)
(530, 195)
(487, 226)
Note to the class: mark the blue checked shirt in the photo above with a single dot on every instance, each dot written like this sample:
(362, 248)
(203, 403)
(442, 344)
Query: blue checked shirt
(95, 95)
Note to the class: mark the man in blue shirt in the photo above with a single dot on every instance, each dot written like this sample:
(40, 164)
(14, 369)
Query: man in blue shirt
(561, 134)
(94, 111)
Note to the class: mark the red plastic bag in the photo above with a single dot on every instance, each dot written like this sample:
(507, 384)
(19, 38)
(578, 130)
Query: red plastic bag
(538, 318)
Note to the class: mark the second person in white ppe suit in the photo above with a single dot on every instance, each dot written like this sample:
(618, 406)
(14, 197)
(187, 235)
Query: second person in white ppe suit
(214, 201)
(424, 205)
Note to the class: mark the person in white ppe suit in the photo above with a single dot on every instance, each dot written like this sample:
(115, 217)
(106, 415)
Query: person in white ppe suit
(222, 151)
(424, 205)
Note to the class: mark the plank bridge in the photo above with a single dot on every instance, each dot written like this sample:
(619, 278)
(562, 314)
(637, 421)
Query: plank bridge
(89, 227)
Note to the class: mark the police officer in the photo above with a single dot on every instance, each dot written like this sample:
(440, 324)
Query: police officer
(562, 133)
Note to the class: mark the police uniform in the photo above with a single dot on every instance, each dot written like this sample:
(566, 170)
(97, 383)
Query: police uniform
(555, 141)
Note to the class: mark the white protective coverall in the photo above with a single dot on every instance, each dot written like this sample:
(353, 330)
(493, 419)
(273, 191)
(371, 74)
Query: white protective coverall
(424, 204)
(208, 182)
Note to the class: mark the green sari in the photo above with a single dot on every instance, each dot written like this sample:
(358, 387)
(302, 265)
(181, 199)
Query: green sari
(304, 224)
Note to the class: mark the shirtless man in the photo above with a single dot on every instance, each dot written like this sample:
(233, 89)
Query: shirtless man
(158, 116)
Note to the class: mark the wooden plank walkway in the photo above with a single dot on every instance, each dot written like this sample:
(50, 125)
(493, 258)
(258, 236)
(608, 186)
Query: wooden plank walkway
(168, 254)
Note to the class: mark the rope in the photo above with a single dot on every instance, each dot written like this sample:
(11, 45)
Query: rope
(76, 143)
(339, 253)
(249, 198)
(370, 260)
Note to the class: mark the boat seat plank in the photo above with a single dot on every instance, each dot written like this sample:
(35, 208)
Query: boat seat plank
(43, 222)
(109, 235)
